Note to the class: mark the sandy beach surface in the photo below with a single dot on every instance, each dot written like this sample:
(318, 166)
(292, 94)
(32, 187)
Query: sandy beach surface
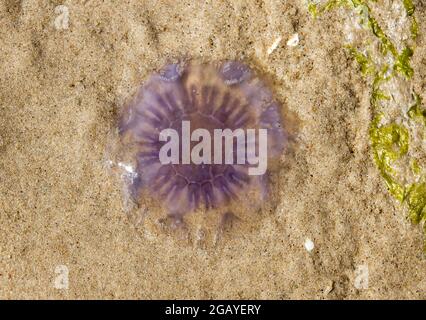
(66, 70)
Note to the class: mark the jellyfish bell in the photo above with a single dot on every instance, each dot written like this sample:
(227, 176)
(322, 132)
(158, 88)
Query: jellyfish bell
(189, 106)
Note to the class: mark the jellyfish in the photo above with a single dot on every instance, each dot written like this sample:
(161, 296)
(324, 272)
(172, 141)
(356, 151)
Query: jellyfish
(207, 100)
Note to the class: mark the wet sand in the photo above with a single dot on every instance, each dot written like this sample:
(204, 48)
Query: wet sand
(62, 84)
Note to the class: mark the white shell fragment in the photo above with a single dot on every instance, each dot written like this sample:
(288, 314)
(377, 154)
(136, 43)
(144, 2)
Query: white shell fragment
(293, 40)
(274, 45)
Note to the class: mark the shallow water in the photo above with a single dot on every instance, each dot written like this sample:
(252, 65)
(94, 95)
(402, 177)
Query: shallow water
(61, 89)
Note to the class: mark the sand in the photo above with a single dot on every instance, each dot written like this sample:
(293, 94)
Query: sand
(62, 214)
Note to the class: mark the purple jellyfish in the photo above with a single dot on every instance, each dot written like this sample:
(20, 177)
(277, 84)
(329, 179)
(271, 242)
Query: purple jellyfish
(210, 97)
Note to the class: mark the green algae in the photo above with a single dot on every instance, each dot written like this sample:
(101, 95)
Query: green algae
(409, 7)
(387, 45)
(414, 28)
(416, 112)
(365, 61)
(390, 142)
(377, 94)
(313, 9)
(416, 200)
(415, 167)
(402, 64)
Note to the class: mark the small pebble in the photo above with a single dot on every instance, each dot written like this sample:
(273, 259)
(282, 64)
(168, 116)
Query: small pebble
(309, 245)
